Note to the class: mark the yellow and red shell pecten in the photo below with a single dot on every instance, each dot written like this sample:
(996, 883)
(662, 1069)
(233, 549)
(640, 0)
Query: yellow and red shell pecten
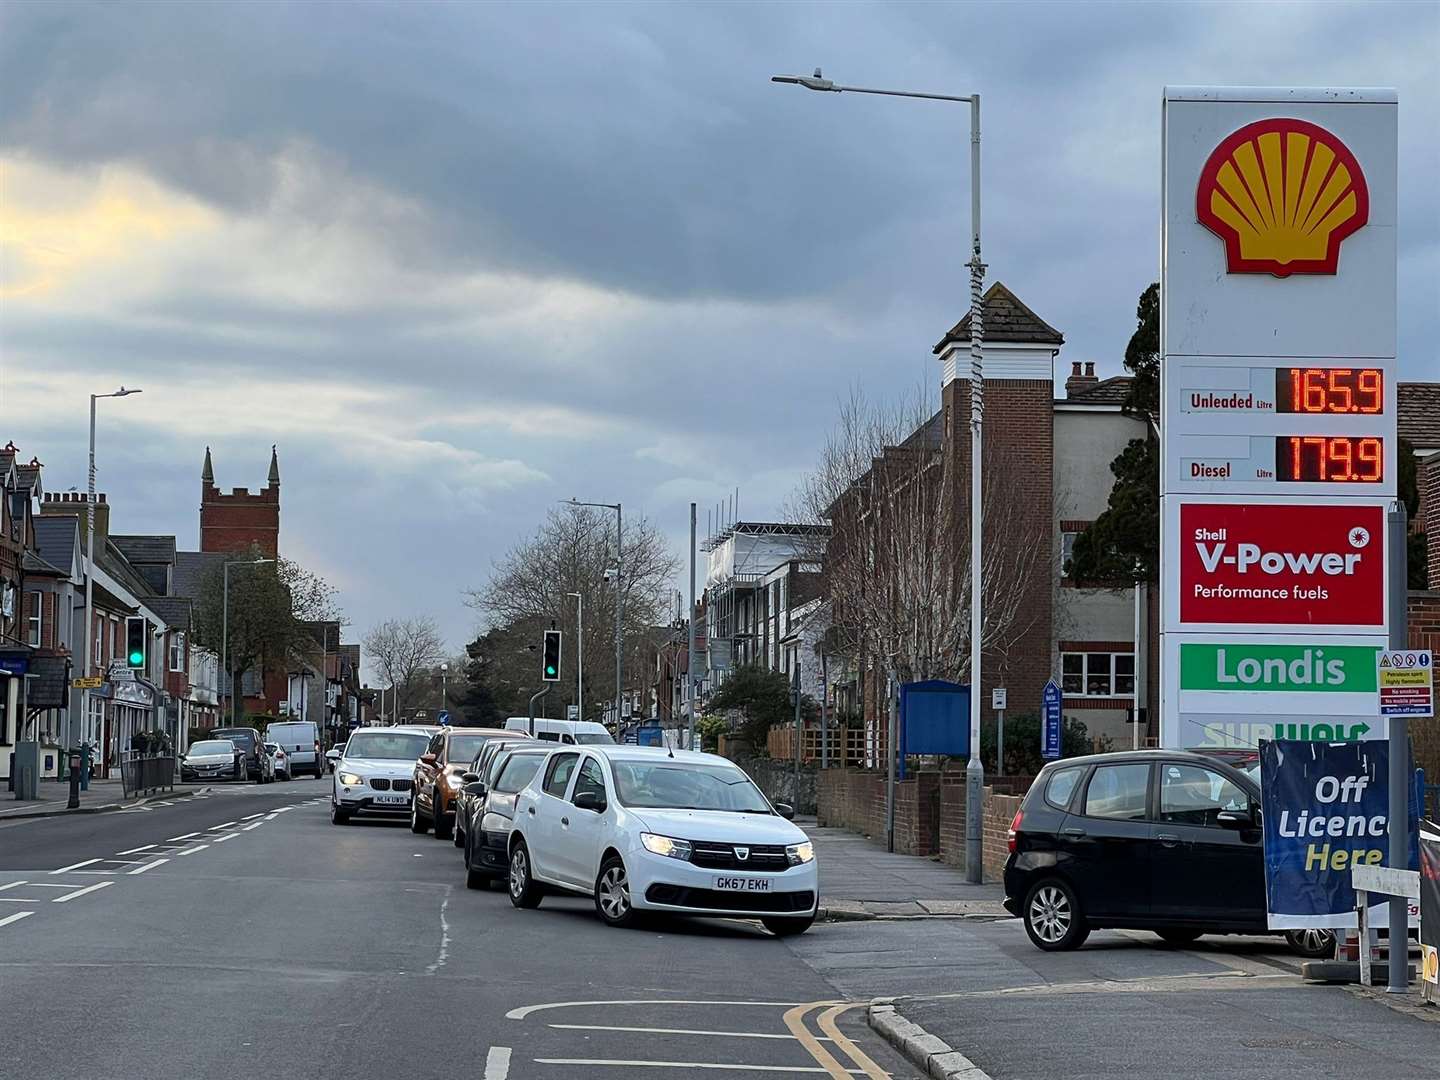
(1283, 194)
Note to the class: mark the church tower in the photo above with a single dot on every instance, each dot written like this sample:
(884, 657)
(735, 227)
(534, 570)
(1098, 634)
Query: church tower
(235, 521)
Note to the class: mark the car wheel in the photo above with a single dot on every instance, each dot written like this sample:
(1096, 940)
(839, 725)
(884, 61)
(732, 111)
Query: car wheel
(1312, 944)
(418, 824)
(525, 891)
(442, 823)
(474, 879)
(1179, 935)
(785, 927)
(458, 834)
(1052, 917)
(339, 816)
(612, 893)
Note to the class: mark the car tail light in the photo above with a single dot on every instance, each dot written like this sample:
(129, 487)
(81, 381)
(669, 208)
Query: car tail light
(1014, 833)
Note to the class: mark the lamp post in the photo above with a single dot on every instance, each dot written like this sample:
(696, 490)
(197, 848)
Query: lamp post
(90, 563)
(225, 625)
(619, 599)
(974, 771)
(444, 702)
(579, 655)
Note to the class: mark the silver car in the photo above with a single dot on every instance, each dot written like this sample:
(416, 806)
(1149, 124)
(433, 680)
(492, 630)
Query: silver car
(213, 759)
(373, 775)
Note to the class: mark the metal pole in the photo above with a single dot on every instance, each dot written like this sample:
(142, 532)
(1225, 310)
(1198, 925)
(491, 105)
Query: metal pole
(798, 732)
(534, 698)
(225, 640)
(89, 582)
(690, 626)
(999, 742)
(1142, 677)
(891, 748)
(619, 611)
(1400, 779)
(580, 656)
(974, 770)
(824, 713)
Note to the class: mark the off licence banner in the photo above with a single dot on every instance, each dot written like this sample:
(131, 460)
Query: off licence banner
(1325, 811)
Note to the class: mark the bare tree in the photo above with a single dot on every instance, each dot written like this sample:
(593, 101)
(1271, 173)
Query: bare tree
(402, 652)
(571, 553)
(897, 556)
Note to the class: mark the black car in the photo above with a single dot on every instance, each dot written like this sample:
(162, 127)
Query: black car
(488, 831)
(252, 744)
(467, 803)
(1162, 840)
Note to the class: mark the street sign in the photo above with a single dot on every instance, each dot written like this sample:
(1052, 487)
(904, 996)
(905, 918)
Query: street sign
(572, 712)
(442, 718)
(997, 698)
(1406, 683)
(1050, 722)
(88, 682)
(120, 672)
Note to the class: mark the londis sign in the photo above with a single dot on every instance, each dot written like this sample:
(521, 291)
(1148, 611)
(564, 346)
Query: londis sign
(1291, 565)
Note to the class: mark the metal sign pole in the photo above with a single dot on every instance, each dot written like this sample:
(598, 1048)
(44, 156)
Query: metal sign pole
(1396, 541)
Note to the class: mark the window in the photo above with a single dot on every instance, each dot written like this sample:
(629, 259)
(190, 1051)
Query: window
(1194, 795)
(1118, 791)
(436, 744)
(1097, 674)
(33, 619)
(557, 776)
(1067, 552)
(97, 657)
(517, 772)
(1061, 786)
(177, 650)
(590, 779)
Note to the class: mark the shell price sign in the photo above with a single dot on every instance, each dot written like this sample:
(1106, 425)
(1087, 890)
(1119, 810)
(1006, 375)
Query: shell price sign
(1278, 440)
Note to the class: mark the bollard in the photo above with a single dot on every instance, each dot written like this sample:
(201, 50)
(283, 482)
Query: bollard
(74, 803)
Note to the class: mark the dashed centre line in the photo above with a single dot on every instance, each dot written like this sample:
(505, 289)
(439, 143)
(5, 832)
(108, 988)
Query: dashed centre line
(147, 866)
(136, 850)
(75, 866)
(81, 892)
(8, 919)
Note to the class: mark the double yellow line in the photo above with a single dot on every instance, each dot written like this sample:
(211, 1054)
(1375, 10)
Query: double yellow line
(827, 1021)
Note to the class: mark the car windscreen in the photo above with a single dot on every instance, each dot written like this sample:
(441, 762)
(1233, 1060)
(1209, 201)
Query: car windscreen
(386, 745)
(465, 747)
(518, 772)
(682, 785)
(242, 739)
(595, 740)
(212, 747)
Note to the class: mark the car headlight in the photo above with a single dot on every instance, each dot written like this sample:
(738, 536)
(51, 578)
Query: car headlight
(800, 853)
(349, 778)
(453, 781)
(665, 845)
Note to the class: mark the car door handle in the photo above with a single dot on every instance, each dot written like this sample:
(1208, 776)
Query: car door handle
(1072, 832)
(530, 810)
(564, 821)
(1169, 839)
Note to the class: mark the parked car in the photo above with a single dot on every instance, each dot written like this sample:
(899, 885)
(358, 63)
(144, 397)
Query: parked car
(373, 776)
(212, 759)
(644, 829)
(492, 809)
(249, 740)
(1162, 840)
(437, 776)
(481, 770)
(570, 732)
(279, 761)
(300, 739)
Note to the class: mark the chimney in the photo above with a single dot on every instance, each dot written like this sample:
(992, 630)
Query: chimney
(1078, 383)
(72, 503)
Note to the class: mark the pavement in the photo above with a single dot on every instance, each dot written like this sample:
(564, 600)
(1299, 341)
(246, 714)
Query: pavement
(102, 795)
(238, 931)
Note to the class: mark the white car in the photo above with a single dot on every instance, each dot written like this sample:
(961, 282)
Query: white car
(372, 775)
(280, 760)
(646, 829)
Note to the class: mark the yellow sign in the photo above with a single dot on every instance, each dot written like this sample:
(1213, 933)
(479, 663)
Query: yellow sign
(1430, 964)
(89, 682)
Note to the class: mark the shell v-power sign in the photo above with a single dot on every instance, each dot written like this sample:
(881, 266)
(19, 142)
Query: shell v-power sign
(1278, 442)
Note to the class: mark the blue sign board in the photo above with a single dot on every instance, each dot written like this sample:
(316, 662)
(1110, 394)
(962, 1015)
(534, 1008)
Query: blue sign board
(443, 718)
(1326, 809)
(1050, 720)
(934, 718)
(14, 665)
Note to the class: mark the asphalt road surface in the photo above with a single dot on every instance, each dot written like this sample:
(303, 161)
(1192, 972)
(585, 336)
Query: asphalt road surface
(241, 932)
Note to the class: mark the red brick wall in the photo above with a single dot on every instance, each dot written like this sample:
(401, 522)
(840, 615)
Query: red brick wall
(1424, 633)
(1428, 481)
(235, 521)
(855, 799)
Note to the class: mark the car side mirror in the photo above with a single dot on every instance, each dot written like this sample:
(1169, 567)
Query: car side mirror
(428, 759)
(590, 800)
(1235, 819)
(785, 810)
(469, 777)
(474, 788)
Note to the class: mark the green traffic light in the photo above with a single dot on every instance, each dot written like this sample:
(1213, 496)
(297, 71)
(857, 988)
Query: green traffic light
(549, 669)
(137, 658)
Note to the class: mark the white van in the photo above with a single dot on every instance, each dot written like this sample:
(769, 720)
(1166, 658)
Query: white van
(300, 739)
(584, 732)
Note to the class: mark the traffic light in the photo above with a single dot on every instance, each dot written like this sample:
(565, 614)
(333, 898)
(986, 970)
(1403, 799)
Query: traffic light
(135, 641)
(550, 669)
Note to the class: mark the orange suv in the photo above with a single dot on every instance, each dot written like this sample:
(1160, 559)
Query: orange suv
(437, 775)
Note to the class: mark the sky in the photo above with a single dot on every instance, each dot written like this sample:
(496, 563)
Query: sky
(462, 261)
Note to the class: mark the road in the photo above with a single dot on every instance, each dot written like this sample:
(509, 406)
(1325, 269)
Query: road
(242, 932)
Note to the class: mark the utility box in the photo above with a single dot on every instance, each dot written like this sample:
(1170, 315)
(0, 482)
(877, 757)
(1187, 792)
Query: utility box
(26, 770)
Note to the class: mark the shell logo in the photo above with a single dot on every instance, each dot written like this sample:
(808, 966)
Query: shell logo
(1283, 194)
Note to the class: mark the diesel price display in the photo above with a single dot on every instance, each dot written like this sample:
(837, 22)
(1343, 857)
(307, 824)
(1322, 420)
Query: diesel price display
(1340, 459)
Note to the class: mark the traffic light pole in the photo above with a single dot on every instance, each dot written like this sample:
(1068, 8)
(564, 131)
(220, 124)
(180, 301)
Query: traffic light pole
(534, 698)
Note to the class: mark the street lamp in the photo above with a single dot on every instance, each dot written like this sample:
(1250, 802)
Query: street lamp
(579, 655)
(90, 564)
(225, 625)
(974, 771)
(444, 669)
(619, 598)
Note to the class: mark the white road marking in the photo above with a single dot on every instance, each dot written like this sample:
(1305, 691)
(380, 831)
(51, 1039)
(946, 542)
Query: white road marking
(525, 1010)
(11, 885)
(497, 1063)
(74, 866)
(444, 939)
(8, 919)
(251, 817)
(183, 836)
(222, 825)
(222, 839)
(193, 850)
(628, 1064)
(147, 866)
(252, 825)
(136, 850)
(679, 1031)
(81, 892)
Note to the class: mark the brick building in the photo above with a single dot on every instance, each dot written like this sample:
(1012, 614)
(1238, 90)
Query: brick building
(240, 519)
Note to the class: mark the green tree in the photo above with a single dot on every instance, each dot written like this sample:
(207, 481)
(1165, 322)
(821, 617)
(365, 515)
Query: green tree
(1022, 743)
(763, 696)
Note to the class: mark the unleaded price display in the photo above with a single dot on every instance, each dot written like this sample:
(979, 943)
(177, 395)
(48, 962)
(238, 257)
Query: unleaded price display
(1330, 391)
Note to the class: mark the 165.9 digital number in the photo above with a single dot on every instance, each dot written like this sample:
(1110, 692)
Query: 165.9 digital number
(1329, 390)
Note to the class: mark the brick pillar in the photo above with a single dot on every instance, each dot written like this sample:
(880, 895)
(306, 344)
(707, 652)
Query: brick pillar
(1428, 481)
